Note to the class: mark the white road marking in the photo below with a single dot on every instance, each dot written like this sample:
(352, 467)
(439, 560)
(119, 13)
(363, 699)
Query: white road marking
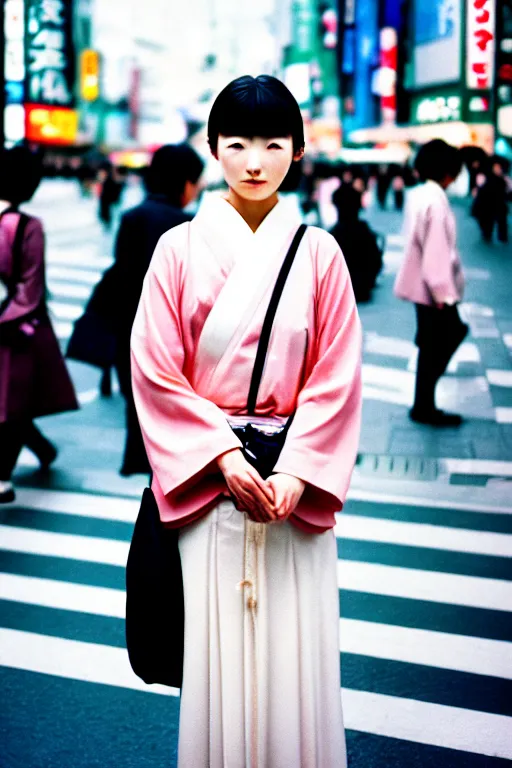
(459, 653)
(477, 467)
(69, 290)
(65, 311)
(437, 587)
(88, 276)
(81, 504)
(431, 502)
(66, 545)
(423, 535)
(504, 415)
(499, 378)
(425, 723)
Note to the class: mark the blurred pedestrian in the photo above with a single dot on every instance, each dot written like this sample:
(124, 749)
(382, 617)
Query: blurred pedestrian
(361, 246)
(431, 276)
(398, 186)
(111, 187)
(33, 377)
(383, 183)
(172, 182)
(491, 204)
(261, 672)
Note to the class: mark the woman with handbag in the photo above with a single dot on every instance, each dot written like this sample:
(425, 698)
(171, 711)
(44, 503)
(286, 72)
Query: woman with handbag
(246, 366)
(431, 277)
(33, 377)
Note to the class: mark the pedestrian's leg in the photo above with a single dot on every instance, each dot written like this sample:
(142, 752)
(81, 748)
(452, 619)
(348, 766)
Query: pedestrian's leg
(106, 383)
(36, 442)
(503, 226)
(12, 434)
(425, 372)
(486, 226)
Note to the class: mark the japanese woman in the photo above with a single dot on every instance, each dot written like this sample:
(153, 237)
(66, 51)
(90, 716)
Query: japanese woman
(261, 679)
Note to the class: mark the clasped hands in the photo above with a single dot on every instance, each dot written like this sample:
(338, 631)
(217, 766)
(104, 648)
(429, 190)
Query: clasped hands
(265, 501)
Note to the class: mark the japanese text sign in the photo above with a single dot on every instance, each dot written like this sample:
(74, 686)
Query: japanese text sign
(49, 56)
(481, 43)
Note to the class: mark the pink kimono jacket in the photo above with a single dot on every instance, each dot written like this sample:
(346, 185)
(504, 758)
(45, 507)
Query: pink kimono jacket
(431, 271)
(194, 343)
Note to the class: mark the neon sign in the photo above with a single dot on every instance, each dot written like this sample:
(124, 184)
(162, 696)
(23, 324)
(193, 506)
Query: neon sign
(481, 43)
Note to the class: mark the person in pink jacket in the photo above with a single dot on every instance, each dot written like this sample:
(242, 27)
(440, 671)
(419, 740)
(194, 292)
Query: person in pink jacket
(431, 276)
(261, 672)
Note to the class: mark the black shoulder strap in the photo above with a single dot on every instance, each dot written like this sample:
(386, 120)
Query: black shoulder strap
(266, 330)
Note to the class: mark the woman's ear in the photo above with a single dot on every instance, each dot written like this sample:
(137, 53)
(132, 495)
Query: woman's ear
(297, 157)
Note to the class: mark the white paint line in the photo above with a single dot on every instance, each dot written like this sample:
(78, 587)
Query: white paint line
(459, 653)
(436, 649)
(477, 467)
(471, 591)
(499, 378)
(75, 274)
(100, 601)
(69, 290)
(507, 338)
(466, 353)
(69, 257)
(476, 310)
(63, 330)
(397, 240)
(72, 659)
(66, 545)
(425, 723)
(65, 311)
(82, 504)
(381, 497)
(485, 333)
(504, 415)
(423, 535)
(388, 345)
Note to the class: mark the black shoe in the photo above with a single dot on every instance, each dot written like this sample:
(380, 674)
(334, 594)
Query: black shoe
(47, 457)
(7, 497)
(106, 385)
(435, 418)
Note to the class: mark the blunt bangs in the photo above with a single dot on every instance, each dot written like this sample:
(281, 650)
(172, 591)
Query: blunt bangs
(256, 106)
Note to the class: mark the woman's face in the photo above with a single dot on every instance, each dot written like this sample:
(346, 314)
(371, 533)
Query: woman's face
(254, 168)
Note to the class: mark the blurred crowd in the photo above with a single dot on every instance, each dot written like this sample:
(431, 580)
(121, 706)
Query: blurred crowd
(332, 195)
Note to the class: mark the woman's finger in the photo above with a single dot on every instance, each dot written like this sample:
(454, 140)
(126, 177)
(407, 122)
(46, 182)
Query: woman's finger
(262, 484)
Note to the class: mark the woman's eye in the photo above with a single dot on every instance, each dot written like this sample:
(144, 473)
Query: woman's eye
(236, 145)
(274, 146)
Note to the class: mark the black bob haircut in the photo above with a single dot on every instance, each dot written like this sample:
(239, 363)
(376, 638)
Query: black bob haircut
(171, 167)
(256, 106)
(21, 172)
(437, 159)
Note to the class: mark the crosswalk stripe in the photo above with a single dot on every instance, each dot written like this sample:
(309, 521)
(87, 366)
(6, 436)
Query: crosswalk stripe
(69, 290)
(88, 276)
(435, 649)
(69, 258)
(420, 535)
(430, 586)
(64, 311)
(63, 329)
(380, 497)
(394, 717)
(83, 504)
(367, 577)
(425, 723)
(73, 659)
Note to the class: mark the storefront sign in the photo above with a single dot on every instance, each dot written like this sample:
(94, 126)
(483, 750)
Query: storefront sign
(481, 43)
(49, 55)
(50, 125)
(89, 75)
(437, 109)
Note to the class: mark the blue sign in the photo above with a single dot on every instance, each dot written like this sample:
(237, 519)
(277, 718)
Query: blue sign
(435, 20)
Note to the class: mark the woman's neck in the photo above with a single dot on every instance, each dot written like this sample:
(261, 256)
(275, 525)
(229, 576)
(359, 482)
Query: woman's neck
(252, 211)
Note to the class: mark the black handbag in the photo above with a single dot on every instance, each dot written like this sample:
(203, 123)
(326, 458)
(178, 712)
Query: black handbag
(155, 611)
(94, 338)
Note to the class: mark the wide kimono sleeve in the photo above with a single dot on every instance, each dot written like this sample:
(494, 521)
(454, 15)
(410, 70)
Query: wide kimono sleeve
(321, 445)
(183, 432)
(29, 290)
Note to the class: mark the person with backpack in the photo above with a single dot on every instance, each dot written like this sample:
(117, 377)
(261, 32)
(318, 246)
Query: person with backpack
(34, 380)
(360, 245)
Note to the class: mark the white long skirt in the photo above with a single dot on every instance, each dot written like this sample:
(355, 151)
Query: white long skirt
(261, 681)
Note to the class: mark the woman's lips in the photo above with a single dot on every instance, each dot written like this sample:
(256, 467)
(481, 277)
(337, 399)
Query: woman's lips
(254, 182)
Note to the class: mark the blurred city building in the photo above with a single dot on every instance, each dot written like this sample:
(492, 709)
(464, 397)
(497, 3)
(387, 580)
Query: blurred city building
(125, 76)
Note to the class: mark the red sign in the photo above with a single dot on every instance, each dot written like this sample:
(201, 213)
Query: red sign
(50, 125)
(481, 43)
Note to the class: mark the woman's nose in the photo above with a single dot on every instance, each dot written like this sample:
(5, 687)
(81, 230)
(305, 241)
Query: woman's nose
(254, 162)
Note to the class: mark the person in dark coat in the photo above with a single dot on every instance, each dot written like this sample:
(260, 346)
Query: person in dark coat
(359, 243)
(491, 206)
(33, 377)
(110, 194)
(172, 182)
